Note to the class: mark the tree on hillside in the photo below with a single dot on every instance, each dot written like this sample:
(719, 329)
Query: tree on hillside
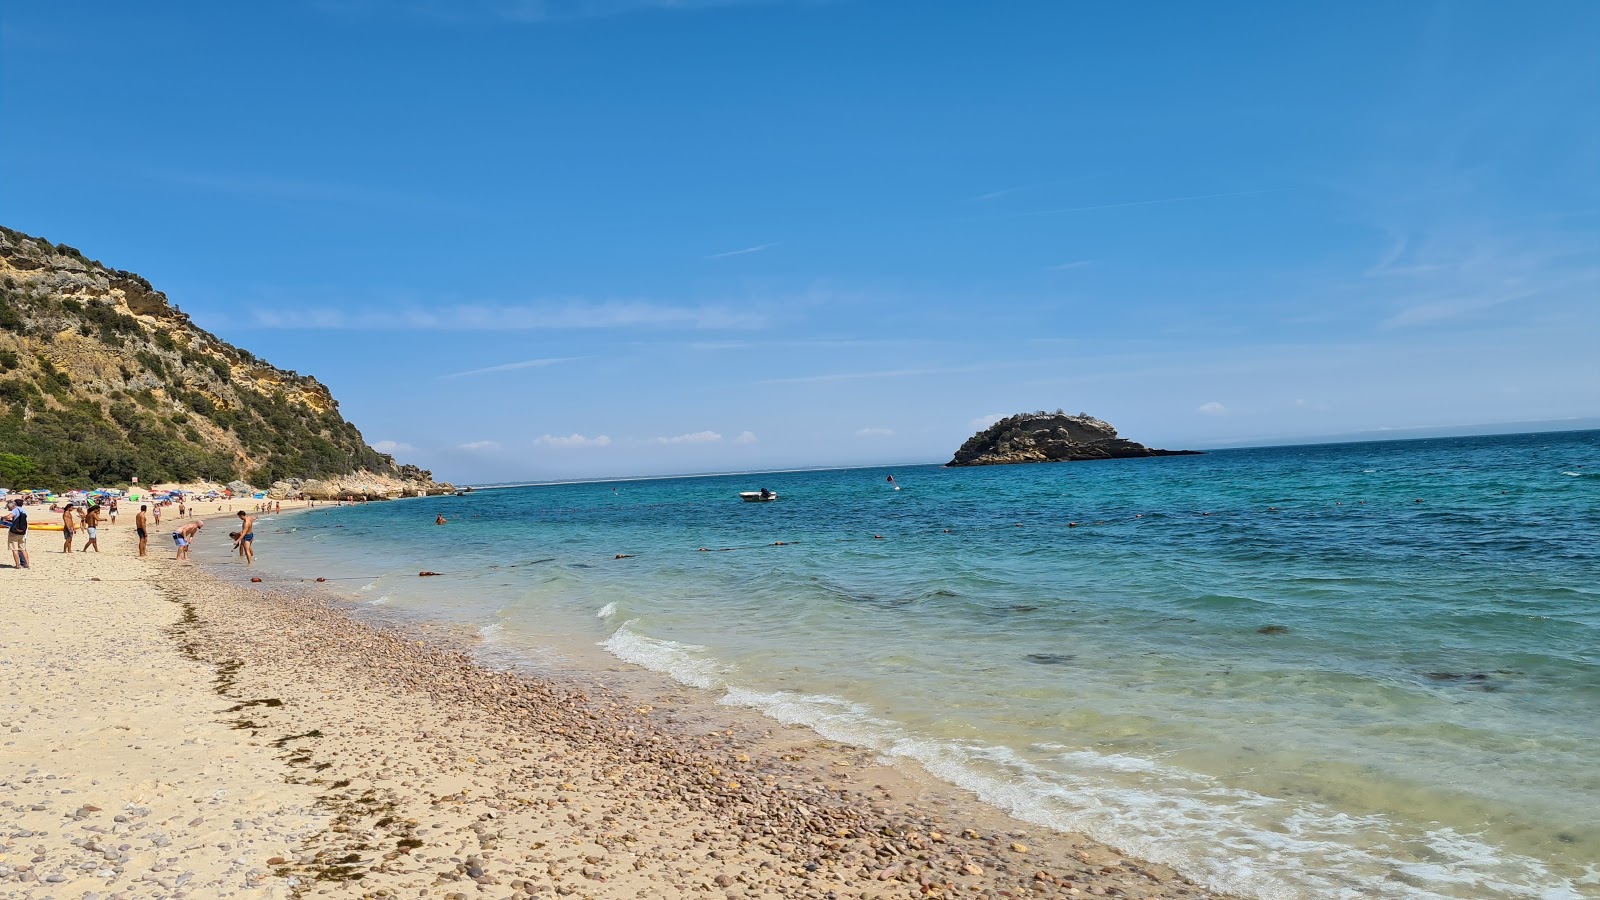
(15, 471)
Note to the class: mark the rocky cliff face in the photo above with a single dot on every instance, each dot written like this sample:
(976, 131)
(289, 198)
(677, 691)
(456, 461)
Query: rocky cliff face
(1050, 437)
(102, 379)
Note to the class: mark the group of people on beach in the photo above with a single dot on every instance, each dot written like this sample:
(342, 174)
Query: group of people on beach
(15, 523)
(87, 521)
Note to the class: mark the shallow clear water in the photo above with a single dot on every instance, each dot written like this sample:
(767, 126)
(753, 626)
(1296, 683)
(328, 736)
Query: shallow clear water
(1273, 669)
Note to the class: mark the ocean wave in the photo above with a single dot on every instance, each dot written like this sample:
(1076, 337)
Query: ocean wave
(607, 611)
(683, 662)
(1229, 839)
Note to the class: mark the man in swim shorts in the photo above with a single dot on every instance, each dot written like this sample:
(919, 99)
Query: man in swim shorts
(246, 544)
(141, 526)
(69, 527)
(184, 538)
(91, 524)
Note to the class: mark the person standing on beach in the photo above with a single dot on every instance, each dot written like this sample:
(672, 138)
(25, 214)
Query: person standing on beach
(111, 511)
(69, 525)
(184, 538)
(158, 515)
(141, 526)
(91, 524)
(17, 534)
(246, 544)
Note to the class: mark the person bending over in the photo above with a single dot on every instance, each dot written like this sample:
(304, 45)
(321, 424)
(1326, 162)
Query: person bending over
(184, 538)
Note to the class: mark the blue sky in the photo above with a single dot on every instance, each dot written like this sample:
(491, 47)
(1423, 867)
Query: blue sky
(604, 237)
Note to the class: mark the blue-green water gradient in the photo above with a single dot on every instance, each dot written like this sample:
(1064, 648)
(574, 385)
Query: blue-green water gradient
(1355, 670)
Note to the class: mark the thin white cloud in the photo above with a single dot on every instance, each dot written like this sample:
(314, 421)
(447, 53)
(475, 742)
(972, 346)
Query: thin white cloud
(890, 373)
(522, 12)
(874, 432)
(745, 437)
(276, 190)
(392, 447)
(983, 422)
(544, 315)
(1159, 201)
(745, 251)
(572, 440)
(513, 366)
(1075, 264)
(479, 445)
(698, 437)
(1212, 409)
(1006, 192)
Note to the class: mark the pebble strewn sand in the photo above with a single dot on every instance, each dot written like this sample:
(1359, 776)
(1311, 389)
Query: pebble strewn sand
(169, 735)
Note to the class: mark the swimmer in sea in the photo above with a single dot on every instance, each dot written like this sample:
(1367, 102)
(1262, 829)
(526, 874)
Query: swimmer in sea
(439, 519)
(247, 538)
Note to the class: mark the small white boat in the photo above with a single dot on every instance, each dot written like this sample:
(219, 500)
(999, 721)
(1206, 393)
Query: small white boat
(757, 496)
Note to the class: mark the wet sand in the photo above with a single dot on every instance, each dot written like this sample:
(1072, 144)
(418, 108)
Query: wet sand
(169, 734)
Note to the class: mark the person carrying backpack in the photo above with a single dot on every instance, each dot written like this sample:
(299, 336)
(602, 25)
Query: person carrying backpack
(17, 534)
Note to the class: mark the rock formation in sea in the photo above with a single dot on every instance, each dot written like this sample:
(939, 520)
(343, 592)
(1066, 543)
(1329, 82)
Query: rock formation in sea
(103, 380)
(1050, 437)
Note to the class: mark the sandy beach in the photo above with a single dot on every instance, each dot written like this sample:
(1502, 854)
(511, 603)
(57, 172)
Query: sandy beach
(169, 734)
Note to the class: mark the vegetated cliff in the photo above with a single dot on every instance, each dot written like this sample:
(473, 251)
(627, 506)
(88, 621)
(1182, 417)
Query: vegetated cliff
(1050, 437)
(103, 380)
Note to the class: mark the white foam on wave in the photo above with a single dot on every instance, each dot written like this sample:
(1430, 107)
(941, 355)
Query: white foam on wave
(368, 586)
(683, 662)
(382, 599)
(1229, 839)
(607, 611)
(491, 633)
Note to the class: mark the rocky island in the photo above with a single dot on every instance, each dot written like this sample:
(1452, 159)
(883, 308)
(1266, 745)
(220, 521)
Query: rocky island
(102, 380)
(1050, 437)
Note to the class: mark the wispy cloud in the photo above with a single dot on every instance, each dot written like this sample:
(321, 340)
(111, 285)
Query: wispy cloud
(291, 191)
(874, 432)
(479, 445)
(982, 422)
(745, 437)
(392, 447)
(888, 373)
(1021, 188)
(524, 12)
(1212, 409)
(514, 366)
(572, 440)
(1159, 201)
(698, 437)
(745, 251)
(557, 315)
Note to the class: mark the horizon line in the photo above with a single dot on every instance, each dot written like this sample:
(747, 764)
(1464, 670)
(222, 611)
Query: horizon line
(1359, 437)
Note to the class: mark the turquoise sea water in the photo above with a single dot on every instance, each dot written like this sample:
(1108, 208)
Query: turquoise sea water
(1273, 669)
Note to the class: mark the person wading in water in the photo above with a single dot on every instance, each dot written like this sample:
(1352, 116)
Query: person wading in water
(247, 537)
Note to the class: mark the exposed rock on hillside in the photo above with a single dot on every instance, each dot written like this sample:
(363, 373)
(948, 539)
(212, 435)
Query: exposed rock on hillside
(102, 379)
(1050, 437)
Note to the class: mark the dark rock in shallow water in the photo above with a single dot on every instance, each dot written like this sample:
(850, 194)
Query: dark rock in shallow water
(1050, 659)
(1050, 437)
